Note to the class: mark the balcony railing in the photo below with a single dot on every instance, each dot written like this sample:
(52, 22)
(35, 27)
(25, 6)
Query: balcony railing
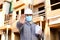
(55, 4)
(10, 22)
(36, 15)
(39, 12)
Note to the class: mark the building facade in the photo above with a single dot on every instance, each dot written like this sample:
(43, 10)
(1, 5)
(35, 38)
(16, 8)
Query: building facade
(46, 13)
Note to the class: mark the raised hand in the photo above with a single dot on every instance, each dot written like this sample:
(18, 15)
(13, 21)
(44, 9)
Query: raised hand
(22, 19)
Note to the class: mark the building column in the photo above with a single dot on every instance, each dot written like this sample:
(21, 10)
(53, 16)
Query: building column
(14, 15)
(12, 35)
(3, 36)
(1, 19)
(47, 31)
(47, 12)
(7, 34)
(19, 14)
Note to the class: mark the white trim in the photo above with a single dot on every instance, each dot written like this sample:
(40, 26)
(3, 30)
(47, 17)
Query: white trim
(55, 22)
(39, 12)
(55, 4)
(53, 17)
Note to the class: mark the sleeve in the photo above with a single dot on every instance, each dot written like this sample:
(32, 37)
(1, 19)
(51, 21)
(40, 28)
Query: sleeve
(19, 25)
(38, 29)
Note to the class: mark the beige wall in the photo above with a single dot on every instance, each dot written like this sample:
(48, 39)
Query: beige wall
(20, 2)
(53, 13)
(54, 21)
(1, 1)
(35, 2)
(15, 4)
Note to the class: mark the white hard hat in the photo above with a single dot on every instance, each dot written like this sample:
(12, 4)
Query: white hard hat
(27, 11)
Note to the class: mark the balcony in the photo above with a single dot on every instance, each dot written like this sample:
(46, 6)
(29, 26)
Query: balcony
(36, 15)
(11, 25)
(55, 10)
(54, 16)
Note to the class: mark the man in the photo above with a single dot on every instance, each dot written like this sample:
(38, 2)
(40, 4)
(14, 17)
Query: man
(27, 27)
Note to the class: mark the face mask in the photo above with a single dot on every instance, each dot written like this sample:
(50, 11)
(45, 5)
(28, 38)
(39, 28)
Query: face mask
(29, 18)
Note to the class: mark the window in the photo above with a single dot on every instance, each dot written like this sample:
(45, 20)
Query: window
(22, 11)
(41, 8)
(17, 13)
(55, 7)
(54, 1)
(1, 6)
(17, 0)
(55, 4)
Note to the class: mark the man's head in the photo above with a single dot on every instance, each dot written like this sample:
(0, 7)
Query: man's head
(28, 14)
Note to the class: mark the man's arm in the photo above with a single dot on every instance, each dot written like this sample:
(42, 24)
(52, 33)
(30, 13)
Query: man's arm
(21, 22)
(19, 25)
